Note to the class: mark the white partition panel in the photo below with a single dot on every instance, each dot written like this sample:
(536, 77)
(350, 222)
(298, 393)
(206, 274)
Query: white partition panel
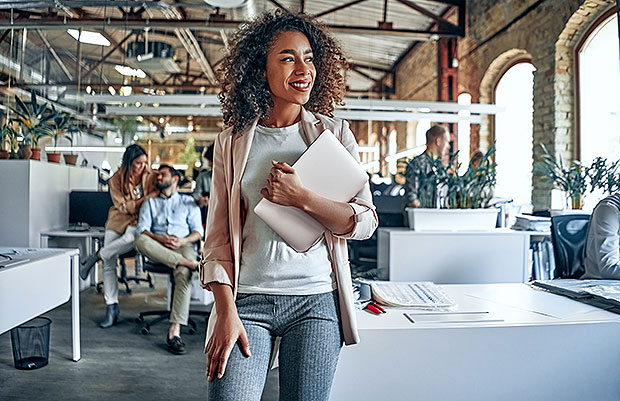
(35, 197)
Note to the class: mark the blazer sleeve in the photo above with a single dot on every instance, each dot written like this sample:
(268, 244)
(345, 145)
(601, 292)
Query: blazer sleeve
(606, 225)
(366, 220)
(122, 202)
(216, 264)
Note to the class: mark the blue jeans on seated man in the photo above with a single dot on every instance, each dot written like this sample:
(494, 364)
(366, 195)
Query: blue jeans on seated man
(311, 339)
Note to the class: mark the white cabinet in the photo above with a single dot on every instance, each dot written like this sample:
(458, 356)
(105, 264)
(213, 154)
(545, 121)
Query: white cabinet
(34, 197)
(454, 257)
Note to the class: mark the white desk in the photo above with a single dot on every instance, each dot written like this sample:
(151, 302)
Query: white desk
(454, 257)
(90, 241)
(547, 348)
(39, 281)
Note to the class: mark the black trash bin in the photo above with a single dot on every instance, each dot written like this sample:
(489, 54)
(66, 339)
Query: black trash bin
(31, 343)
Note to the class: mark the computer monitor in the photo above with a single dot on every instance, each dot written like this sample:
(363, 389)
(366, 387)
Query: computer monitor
(90, 207)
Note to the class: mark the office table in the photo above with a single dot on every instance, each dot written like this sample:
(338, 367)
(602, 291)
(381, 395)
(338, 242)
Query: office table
(36, 281)
(454, 257)
(92, 241)
(546, 347)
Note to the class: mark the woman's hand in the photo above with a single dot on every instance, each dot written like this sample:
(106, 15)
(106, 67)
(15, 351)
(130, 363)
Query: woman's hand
(154, 193)
(227, 331)
(284, 186)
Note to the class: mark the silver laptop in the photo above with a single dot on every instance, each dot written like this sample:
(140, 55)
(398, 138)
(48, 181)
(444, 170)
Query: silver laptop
(326, 168)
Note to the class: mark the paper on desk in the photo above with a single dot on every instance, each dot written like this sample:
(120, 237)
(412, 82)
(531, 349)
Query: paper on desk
(409, 294)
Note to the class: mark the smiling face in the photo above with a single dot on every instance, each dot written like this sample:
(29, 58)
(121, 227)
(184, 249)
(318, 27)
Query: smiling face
(290, 69)
(138, 165)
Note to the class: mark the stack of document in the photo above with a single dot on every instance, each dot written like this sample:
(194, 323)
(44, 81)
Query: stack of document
(604, 294)
(532, 223)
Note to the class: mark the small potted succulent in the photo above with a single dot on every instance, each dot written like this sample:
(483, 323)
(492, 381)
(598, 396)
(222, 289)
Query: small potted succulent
(33, 119)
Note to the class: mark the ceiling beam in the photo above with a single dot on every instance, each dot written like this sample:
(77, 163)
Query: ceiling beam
(280, 6)
(375, 80)
(136, 87)
(369, 67)
(338, 8)
(200, 24)
(445, 24)
(62, 65)
(108, 54)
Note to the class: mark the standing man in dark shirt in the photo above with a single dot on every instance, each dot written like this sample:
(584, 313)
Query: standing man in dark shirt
(437, 147)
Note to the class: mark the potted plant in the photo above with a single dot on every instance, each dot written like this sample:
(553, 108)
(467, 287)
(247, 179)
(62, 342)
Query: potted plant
(60, 124)
(464, 198)
(570, 179)
(33, 120)
(71, 158)
(8, 141)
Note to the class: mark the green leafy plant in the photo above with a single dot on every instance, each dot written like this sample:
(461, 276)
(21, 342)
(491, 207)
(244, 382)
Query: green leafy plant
(571, 179)
(603, 175)
(33, 119)
(8, 138)
(62, 125)
(126, 127)
(473, 189)
(189, 155)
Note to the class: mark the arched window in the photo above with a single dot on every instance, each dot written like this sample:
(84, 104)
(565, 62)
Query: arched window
(599, 96)
(513, 134)
(464, 132)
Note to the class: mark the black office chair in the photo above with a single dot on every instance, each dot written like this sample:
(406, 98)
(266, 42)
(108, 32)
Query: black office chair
(155, 267)
(568, 235)
(363, 254)
(124, 278)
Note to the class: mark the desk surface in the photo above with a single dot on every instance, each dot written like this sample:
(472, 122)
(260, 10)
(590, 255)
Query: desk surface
(93, 232)
(35, 281)
(14, 257)
(496, 231)
(514, 303)
(547, 347)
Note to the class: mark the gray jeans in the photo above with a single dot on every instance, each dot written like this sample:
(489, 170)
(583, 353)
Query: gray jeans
(114, 244)
(311, 338)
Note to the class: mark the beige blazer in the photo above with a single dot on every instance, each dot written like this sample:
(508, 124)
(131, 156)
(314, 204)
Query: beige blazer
(221, 254)
(124, 211)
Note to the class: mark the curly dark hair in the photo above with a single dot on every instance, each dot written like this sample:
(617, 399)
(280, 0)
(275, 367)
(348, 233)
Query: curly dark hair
(245, 92)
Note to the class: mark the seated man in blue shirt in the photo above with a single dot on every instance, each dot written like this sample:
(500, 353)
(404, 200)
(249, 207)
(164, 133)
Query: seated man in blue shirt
(602, 254)
(169, 225)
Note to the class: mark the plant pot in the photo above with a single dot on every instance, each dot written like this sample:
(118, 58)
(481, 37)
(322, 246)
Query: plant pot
(25, 152)
(451, 219)
(36, 154)
(576, 202)
(71, 159)
(4, 154)
(53, 157)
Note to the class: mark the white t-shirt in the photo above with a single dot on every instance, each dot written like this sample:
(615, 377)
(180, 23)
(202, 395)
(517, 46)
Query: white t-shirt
(268, 264)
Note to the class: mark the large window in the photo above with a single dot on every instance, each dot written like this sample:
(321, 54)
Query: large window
(513, 134)
(599, 96)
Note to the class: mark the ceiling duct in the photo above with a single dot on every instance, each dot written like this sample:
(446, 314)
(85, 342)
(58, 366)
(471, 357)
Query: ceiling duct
(152, 57)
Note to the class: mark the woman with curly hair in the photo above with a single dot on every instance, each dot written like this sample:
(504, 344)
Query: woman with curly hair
(280, 83)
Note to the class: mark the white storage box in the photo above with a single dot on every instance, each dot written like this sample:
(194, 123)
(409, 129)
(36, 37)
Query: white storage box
(451, 219)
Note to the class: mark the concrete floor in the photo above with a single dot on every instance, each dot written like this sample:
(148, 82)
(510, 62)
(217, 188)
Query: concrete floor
(118, 363)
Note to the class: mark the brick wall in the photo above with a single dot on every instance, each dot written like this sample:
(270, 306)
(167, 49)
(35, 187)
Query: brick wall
(499, 32)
